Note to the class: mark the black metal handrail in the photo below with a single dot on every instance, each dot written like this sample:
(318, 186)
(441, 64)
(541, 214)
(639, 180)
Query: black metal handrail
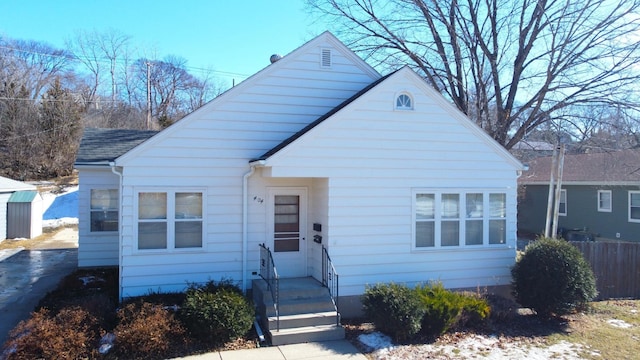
(330, 280)
(269, 274)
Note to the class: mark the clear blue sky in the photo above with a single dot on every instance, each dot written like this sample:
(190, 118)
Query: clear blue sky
(228, 36)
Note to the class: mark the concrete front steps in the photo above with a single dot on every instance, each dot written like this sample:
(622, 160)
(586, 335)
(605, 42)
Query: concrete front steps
(307, 312)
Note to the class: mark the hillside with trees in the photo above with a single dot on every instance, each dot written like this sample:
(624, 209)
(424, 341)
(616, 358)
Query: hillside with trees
(48, 95)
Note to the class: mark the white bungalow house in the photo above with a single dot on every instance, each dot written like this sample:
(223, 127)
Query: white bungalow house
(317, 150)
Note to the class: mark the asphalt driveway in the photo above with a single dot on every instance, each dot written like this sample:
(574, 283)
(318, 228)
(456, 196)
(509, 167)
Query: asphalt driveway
(25, 278)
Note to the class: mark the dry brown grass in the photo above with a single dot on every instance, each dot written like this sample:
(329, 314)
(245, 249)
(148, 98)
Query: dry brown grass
(35, 243)
(602, 339)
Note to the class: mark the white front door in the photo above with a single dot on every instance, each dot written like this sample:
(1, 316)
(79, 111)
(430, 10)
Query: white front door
(287, 230)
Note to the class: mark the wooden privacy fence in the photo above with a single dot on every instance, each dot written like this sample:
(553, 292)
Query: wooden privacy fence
(616, 266)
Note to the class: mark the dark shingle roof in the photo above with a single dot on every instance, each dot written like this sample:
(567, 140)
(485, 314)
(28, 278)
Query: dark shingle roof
(100, 146)
(605, 167)
(312, 125)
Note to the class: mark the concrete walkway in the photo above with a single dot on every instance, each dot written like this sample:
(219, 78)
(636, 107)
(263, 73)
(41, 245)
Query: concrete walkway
(335, 350)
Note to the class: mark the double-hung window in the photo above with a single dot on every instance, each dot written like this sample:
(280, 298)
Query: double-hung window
(604, 200)
(170, 220)
(465, 218)
(103, 210)
(634, 206)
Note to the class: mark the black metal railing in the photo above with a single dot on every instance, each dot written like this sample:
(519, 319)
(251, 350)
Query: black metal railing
(269, 274)
(330, 280)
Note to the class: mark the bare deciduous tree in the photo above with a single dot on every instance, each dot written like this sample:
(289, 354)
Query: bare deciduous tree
(511, 65)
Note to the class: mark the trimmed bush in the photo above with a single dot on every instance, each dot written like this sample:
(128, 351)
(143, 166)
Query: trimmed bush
(553, 278)
(147, 331)
(217, 313)
(394, 309)
(445, 309)
(70, 334)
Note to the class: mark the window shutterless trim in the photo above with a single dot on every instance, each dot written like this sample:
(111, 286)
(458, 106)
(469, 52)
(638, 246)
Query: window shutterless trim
(603, 209)
(170, 220)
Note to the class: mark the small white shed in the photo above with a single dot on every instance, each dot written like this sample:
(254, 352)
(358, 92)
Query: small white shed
(24, 215)
(7, 188)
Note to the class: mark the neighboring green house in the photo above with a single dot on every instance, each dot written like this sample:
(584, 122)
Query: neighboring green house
(600, 195)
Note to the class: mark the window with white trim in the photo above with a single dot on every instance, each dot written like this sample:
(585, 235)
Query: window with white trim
(103, 210)
(604, 200)
(170, 220)
(634, 206)
(404, 102)
(562, 206)
(453, 219)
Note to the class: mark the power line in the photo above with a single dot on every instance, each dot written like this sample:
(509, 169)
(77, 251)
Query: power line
(104, 59)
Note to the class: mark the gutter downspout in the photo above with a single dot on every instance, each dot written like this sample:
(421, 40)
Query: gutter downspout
(245, 219)
(113, 170)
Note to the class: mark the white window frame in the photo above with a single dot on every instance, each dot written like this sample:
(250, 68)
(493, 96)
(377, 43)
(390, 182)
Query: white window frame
(403, 108)
(170, 219)
(602, 208)
(117, 210)
(462, 218)
(563, 194)
(634, 220)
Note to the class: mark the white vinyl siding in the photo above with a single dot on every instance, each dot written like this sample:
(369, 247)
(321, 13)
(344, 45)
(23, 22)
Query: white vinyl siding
(373, 156)
(211, 149)
(96, 248)
(604, 201)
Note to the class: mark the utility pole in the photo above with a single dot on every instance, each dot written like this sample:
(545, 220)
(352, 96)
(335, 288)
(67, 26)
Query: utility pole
(558, 190)
(149, 65)
(554, 162)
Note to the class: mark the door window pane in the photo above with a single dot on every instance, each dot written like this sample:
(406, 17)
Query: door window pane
(286, 224)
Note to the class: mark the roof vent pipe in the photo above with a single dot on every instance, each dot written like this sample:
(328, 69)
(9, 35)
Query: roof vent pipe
(275, 57)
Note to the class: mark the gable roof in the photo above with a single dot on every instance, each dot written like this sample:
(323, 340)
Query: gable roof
(325, 37)
(10, 185)
(315, 123)
(101, 146)
(615, 167)
(436, 96)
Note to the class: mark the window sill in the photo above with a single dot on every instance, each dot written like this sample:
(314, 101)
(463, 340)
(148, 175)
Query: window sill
(468, 248)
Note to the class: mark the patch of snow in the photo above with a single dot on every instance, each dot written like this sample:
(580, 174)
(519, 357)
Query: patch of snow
(376, 341)
(619, 323)
(472, 347)
(60, 209)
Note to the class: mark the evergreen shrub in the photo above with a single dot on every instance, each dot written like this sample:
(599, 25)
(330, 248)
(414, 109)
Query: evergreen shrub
(553, 278)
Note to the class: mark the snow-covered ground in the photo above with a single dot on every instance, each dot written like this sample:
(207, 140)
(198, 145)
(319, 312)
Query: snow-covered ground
(60, 209)
(470, 347)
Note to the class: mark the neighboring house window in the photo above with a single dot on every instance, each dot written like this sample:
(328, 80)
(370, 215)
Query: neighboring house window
(634, 206)
(104, 210)
(459, 219)
(604, 200)
(170, 220)
(404, 102)
(562, 207)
